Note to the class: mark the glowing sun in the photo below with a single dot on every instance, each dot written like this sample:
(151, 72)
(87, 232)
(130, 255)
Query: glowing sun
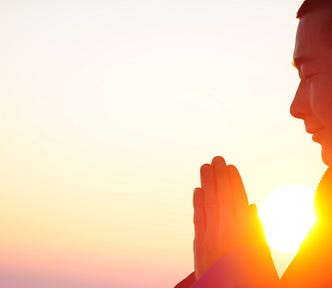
(287, 215)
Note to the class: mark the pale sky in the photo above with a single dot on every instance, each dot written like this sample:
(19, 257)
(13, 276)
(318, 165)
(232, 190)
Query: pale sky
(107, 111)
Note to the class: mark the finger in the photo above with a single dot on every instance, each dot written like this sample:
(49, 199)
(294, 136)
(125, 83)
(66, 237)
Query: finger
(199, 225)
(240, 199)
(199, 213)
(223, 188)
(255, 217)
(210, 200)
(256, 226)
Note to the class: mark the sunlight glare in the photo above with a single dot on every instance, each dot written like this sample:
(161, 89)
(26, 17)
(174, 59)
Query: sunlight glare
(287, 215)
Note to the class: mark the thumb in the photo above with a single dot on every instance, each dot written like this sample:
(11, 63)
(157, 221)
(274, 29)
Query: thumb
(256, 226)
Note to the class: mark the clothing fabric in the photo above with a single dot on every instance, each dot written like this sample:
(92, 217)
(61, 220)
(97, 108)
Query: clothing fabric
(247, 267)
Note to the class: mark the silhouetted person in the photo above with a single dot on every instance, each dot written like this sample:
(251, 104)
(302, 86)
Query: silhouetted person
(230, 250)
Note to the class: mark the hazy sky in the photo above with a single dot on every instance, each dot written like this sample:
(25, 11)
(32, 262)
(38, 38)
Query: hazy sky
(107, 111)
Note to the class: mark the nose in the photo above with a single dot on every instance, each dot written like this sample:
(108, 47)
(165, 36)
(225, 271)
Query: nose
(300, 105)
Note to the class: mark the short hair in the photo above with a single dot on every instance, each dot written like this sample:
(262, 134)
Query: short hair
(313, 5)
(309, 6)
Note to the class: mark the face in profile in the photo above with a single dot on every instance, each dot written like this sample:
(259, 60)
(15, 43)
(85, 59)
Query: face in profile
(313, 59)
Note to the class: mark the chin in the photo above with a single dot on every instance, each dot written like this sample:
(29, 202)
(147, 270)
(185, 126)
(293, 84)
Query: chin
(327, 156)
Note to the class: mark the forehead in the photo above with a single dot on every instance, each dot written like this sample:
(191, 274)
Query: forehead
(310, 34)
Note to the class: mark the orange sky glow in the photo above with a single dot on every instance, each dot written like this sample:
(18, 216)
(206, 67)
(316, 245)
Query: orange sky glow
(107, 111)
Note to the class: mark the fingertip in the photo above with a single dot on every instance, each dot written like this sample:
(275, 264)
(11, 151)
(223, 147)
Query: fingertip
(253, 211)
(235, 175)
(205, 173)
(218, 160)
(253, 208)
(198, 196)
(205, 168)
(232, 168)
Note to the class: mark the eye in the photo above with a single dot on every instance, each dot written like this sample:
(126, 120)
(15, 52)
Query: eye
(310, 76)
(308, 72)
(307, 76)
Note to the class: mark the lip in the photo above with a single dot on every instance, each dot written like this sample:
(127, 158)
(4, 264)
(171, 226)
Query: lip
(316, 133)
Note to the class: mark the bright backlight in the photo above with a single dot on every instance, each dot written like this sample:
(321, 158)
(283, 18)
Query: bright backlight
(287, 215)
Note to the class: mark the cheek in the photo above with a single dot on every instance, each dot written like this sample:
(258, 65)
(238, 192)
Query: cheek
(321, 101)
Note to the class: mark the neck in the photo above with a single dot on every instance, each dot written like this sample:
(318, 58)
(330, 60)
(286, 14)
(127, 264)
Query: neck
(323, 198)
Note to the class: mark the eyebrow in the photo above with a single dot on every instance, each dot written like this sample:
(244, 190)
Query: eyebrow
(298, 61)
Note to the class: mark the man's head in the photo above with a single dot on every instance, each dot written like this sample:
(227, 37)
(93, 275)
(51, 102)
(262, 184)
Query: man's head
(313, 59)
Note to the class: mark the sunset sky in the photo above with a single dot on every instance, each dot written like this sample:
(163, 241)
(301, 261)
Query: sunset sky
(107, 111)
